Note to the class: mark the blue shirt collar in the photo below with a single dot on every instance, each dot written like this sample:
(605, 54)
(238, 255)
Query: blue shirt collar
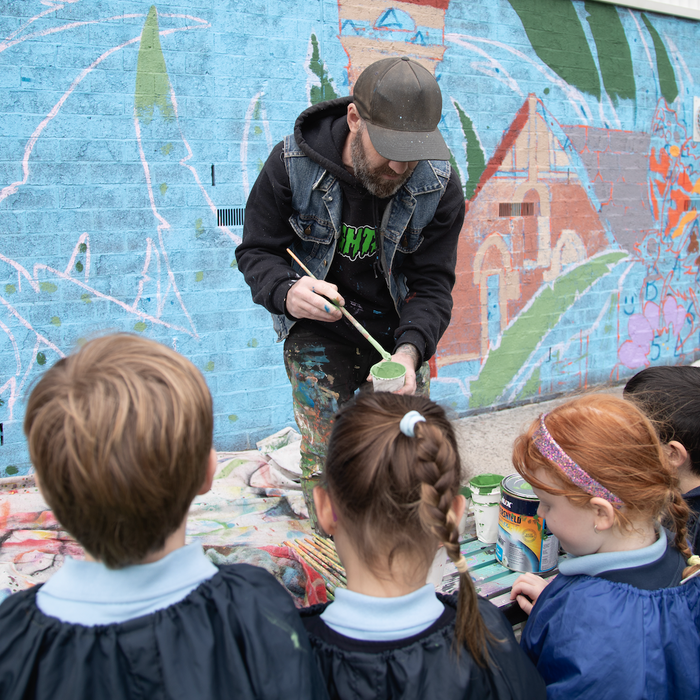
(382, 619)
(89, 593)
(594, 564)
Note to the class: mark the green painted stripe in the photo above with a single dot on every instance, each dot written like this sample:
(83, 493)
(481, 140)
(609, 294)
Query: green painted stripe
(520, 340)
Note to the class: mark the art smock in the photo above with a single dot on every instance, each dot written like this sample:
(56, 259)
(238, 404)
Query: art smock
(618, 625)
(236, 635)
(424, 665)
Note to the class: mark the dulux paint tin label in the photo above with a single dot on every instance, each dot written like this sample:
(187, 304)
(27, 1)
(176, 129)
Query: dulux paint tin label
(524, 543)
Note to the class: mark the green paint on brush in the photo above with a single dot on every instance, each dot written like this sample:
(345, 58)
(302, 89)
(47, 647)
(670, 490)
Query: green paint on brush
(520, 340)
(388, 370)
(667, 77)
(476, 160)
(152, 82)
(556, 35)
(324, 91)
(614, 55)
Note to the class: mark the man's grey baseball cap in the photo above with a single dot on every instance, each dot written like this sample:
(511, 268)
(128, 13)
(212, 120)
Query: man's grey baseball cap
(401, 103)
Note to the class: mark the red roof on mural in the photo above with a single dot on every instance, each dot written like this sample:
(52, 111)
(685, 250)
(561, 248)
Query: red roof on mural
(508, 140)
(440, 4)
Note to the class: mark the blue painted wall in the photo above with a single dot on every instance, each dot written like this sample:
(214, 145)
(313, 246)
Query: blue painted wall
(112, 115)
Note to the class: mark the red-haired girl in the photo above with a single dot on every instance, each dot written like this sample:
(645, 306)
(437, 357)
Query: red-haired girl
(391, 496)
(622, 618)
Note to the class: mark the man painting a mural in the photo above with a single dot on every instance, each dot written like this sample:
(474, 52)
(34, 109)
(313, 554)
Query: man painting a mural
(362, 193)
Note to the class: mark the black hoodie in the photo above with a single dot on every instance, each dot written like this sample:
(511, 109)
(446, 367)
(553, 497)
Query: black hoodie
(321, 132)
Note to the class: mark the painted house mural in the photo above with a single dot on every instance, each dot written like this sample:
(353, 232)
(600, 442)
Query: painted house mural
(131, 134)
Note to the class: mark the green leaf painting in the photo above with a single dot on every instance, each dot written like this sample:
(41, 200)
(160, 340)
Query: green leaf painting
(556, 35)
(476, 160)
(667, 78)
(325, 91)
(614, 56)
(152, 82)
(519, 341)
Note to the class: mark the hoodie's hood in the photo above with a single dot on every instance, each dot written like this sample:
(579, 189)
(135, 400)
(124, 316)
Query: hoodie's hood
(320, 132)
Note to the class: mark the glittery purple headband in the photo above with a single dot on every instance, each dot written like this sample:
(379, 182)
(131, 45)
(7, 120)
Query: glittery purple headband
(549, 448)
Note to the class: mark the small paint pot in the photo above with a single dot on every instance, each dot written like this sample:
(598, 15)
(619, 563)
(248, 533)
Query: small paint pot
(486, 495)
(388, 375)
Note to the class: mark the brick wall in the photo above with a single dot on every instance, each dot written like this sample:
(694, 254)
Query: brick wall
(112, 115)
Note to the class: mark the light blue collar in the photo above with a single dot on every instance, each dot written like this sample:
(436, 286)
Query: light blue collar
(370, 618)
(88, 593)
(594, 564)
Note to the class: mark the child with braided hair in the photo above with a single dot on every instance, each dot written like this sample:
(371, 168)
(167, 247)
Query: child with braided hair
(622, 618)
(391, 495)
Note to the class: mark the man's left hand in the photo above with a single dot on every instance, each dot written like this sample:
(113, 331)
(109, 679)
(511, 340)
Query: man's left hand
(408, 361)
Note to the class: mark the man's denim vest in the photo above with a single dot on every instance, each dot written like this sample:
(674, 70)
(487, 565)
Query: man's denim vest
(317, 199)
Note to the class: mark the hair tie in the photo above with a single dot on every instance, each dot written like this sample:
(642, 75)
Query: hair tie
(694, 560)
(549, 448)
(461, 564)
(408, 423)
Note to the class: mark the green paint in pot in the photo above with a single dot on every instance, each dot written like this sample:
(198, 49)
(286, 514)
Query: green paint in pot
(485, 484)
(388, 370)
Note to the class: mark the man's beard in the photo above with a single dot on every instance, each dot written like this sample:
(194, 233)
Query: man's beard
(373, 179)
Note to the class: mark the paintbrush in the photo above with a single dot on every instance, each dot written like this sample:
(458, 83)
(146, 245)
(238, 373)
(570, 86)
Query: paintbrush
(329, 585)
(316, 564)
(385, 355)
(321, 545)
(325, 569)
(336, 568)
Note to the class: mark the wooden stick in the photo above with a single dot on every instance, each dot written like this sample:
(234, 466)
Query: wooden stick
(385, 355)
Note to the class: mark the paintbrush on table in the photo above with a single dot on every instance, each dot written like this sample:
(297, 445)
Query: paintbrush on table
(385, 355)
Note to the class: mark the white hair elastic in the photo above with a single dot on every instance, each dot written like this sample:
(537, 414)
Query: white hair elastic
(408, 423)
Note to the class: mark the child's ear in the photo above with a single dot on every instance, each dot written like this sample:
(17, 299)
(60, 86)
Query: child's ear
(327, 518)
(676, 454)
(209, 475)
(459, 503)
(604, 513)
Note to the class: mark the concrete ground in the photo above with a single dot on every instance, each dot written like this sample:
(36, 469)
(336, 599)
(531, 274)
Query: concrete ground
(486, 440)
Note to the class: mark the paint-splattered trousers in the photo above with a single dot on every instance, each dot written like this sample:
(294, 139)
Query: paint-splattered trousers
(325, 374)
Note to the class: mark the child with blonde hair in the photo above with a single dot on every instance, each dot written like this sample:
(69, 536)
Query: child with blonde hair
(120, 436)
(391, 496)
(622, 617)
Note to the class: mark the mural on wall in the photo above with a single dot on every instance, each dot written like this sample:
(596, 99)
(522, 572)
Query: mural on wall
(129, 142)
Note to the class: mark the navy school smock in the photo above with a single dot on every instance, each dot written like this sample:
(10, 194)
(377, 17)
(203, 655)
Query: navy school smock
(237, 635)
(424, 666)
(619, 634)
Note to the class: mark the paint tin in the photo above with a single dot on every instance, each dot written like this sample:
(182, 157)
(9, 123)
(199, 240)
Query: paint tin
(524, 542)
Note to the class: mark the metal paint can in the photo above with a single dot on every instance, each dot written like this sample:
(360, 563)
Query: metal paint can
(524, 543)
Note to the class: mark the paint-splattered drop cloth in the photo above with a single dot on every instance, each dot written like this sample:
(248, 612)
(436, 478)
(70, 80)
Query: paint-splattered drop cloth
(237, 635)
